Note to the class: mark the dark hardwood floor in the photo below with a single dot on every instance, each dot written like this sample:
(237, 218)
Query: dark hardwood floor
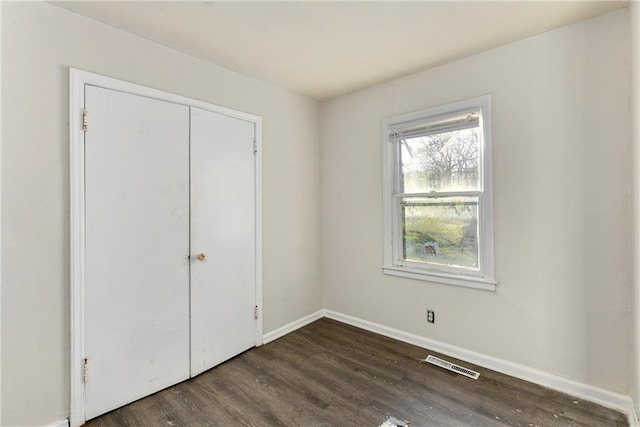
(332, 374)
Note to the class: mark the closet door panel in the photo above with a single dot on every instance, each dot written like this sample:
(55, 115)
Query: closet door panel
(223, 246)
(137, 246)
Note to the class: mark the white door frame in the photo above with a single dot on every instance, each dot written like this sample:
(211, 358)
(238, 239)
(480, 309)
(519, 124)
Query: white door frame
(78, 79)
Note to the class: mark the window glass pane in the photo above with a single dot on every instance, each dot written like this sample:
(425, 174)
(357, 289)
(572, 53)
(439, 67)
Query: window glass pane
(440, 162)
(442, 230)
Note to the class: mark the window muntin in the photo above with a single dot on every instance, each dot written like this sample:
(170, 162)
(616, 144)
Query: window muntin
(438, 220)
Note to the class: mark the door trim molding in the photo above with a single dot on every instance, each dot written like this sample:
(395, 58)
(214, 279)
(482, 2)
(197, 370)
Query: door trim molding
(77, 80)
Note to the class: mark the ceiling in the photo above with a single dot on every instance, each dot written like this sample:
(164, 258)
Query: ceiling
(324, 49)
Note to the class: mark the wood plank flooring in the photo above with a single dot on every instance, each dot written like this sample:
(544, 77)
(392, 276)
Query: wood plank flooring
(332, 374)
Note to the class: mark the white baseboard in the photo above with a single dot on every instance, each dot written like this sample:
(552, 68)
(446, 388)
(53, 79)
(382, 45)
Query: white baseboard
(288, 328)
(634, 419)
(61, 423)
(555, 382)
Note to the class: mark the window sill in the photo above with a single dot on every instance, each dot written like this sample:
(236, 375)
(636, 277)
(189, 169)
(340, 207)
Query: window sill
(447, 279)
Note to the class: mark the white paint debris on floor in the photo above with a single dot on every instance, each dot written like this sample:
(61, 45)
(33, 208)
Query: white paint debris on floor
(394, 422)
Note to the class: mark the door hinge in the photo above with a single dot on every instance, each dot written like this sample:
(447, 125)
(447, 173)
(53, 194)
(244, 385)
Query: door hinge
(255, 312)
(85, 370)
(255, 146)
(85, 120)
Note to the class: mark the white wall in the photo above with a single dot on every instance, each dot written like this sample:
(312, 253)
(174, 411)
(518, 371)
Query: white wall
(634, 49)
(562, 209)
(39, 43)
(0, 234)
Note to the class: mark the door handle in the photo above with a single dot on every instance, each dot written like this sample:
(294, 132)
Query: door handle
(201, 256)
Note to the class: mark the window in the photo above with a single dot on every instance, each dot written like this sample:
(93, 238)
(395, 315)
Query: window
(438, 216)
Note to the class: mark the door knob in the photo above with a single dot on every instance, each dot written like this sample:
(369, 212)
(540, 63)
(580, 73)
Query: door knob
(201, 256)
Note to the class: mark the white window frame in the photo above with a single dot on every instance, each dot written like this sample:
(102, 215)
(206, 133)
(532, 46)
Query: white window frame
(483, 278)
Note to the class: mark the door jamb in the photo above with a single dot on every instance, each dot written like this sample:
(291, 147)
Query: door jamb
(78, 80)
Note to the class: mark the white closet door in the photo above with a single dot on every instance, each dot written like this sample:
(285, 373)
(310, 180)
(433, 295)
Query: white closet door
(223, 234)
(137, 244)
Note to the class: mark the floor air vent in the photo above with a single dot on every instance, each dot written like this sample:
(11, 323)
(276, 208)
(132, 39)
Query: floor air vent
(453, 367)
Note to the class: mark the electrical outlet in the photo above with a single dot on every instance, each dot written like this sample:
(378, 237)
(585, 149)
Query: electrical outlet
(431, 316)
